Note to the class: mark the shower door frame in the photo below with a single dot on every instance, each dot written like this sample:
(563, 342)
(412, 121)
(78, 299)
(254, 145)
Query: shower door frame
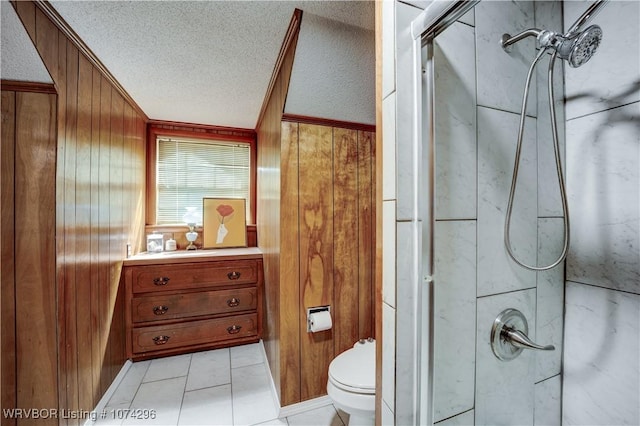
(431, 22)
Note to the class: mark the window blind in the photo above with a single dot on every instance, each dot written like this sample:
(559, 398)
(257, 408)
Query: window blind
(187, 171)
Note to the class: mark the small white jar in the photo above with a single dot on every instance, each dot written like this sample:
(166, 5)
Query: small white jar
(170, 245)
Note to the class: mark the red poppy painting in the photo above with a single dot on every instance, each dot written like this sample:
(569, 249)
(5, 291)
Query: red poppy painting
(224, 222)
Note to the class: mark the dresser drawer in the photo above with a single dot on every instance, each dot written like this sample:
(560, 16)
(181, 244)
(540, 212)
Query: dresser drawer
(162, 337)
(171, 306)
(194, 275)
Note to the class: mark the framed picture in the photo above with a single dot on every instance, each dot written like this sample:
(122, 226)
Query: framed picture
(224, 222)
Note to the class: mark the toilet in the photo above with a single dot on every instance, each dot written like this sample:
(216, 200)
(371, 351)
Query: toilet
(352, 382)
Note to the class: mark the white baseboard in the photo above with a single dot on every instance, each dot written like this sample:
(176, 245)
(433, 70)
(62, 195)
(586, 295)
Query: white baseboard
(293, 409)
(301, 407)
(274, 391)
(102, 404)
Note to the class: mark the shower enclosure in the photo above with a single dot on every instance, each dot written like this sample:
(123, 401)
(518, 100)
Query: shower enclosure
(456, 100)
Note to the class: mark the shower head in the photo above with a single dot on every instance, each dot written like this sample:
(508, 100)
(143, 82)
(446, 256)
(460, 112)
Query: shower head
(577, 50)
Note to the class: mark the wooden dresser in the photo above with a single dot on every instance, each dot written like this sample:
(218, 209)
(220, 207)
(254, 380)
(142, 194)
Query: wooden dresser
(182, 302)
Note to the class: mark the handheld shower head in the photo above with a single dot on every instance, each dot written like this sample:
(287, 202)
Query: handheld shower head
(579, 49)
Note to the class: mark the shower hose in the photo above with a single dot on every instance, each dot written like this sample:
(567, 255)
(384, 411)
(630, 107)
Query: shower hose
(514, 180)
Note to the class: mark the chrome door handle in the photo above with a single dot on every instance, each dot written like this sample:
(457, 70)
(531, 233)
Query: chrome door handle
(509, 336)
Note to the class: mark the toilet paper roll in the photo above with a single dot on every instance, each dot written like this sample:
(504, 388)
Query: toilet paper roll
(320, 321)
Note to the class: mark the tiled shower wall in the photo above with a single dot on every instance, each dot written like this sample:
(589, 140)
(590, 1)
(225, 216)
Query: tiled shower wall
(478, 91)
(602, 334)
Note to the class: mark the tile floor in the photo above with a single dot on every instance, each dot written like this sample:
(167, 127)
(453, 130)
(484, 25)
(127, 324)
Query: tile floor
(228, 386)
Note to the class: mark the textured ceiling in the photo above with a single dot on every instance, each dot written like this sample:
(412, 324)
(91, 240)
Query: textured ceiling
(333, 72)
(19, 59)
(206, 62)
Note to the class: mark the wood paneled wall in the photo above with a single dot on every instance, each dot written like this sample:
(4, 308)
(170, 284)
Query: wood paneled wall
(99, 193)
(333, 244)
(325, 247)
(283, 363)
(316, 231)
(28, 332)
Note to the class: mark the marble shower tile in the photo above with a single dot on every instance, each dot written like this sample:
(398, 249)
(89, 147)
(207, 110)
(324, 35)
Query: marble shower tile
(502, 75)
(389, 147)
(497, 133)
(468, 18)
(455, 123)
(549, 16)
(388, 355)
(388, 418)
(548, 404)
(464, 419)
(504, 390)
(406, 267)
(601, 380)
(388, 48)
(406, 323)
(612, 76)
(550, 298)
(603, 182)
(454, 318)
(406, 152)
(389, 252)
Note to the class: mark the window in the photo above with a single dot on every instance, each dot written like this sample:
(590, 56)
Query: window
(186, 170)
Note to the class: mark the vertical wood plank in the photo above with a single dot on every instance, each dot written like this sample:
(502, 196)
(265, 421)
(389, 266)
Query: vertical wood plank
(48, 41)
(345, 238)
(90, 334)
(82, 233)
(58, 65)
(7, 235)
(128, 184)
(26, 10)
(140, 209)
(95, 230)
(71, 300)
(37, 382)
(116, 244)
(316, 251)
(366, 234)
(289, 289)
(103, 220)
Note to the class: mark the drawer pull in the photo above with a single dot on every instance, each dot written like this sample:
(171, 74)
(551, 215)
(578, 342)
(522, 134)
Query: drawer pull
(234, 329)
(161, 280)
(160, 340)
(233, 302)
(233, 275)
(160, 310)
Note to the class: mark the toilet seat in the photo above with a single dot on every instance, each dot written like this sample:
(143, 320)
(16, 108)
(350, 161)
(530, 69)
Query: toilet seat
(354, 370)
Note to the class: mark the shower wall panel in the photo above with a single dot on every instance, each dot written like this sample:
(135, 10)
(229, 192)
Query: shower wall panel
(476, 130)
(611, 77)
(602, 338)
(476, 134)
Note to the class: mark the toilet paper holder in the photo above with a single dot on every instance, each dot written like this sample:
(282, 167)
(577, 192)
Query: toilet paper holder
(313, 311)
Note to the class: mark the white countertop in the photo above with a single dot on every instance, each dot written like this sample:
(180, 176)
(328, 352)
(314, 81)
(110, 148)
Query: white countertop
(188, 256)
